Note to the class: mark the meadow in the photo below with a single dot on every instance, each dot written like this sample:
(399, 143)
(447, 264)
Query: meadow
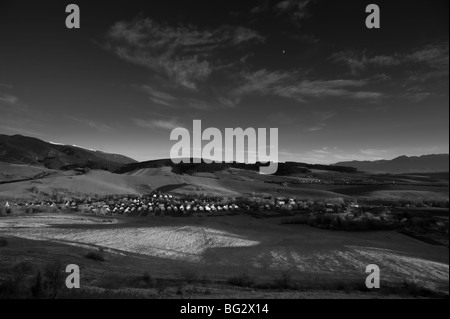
(252, 256)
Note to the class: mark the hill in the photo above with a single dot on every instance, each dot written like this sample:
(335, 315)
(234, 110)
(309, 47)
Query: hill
(18, 149)
(284, 168)
(404, 164)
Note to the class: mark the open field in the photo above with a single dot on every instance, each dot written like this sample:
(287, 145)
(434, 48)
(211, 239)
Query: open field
(244, 255)
(11, 172)
(220, 248)
(229, 183)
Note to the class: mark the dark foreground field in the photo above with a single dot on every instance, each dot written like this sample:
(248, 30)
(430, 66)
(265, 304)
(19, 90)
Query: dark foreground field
(213, 257)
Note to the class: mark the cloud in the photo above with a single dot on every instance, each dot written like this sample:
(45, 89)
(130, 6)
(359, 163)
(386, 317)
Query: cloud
(292, 85)
(296, 10)
(157, 124)
(19, 130)
(159, 97)
(185, 55)
(98, 126)
(320, 119)
(8, 99)
(242, 35)
(417, 94)
(433, 56)
(263, 80)
(326, 88)
(359, 62)
(373, 152)
(230, 103)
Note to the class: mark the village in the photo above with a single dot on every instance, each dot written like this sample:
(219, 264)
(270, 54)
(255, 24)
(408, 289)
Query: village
(333, 213)
(159, 204)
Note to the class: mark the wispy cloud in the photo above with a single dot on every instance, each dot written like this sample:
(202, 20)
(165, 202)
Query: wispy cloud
(159, 97)
(295, 10)
(182, 54)
(95, 125)
(320, 121)
(374, 152)
(417, 94)
(293, 85)
(8, 99)
(157, 124)
(434, 56)
(358, 62)
(19, 130)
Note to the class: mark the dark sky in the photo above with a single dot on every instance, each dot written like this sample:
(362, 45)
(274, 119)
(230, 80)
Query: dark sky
(137, 69)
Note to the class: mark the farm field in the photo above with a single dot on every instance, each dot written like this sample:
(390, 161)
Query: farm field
(229, 183)
(217, 249)
(10, 172)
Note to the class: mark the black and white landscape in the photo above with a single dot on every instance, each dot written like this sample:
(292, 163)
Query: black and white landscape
(87, 179)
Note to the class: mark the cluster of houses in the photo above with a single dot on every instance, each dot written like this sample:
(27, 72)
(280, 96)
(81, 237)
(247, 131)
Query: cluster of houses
(157, 205)
(161, 204)
(337, 181)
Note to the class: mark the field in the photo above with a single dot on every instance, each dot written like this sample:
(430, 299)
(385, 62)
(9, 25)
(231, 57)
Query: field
(230, 183)
(215, 250)
(245, 255)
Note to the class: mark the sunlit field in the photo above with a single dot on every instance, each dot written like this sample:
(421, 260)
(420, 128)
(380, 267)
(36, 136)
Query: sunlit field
(220, 248)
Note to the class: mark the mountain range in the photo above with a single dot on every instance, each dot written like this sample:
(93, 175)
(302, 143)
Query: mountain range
(18, 149)
(403, 164)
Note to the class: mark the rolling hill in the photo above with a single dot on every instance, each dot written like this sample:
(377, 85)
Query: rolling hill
(18, 149)
(404, 164)
(284, 168)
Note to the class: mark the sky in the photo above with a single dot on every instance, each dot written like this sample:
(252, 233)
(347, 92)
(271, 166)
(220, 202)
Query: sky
(135, 70)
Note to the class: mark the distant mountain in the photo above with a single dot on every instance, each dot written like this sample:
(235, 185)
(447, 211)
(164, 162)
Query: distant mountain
(18, 149)
(284, 168)
(404, 164)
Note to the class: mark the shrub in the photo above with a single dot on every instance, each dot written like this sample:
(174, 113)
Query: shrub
(94, 255)
(54, 278)
(284, 281)
(11, 287)
(23, 267)
(36, 288)
(189, 275)
(243, 280)
(48, 283)
(3, 242)
(147, 279)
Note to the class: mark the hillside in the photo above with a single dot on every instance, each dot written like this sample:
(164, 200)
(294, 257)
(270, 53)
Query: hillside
(404, 164)
(18, 149)
(284, 168)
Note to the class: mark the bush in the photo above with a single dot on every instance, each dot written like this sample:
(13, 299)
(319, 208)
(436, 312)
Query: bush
(3, 242)
(336, 222)
(48, 283)
(11, 287)
(284, 281)
(36, 288)
(94, 255)
(147, 279)
(243, 280)
(189, 275)
(23, 268)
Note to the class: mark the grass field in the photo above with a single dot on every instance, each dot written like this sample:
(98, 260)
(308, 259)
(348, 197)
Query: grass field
(230, 183)
(220, 248)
